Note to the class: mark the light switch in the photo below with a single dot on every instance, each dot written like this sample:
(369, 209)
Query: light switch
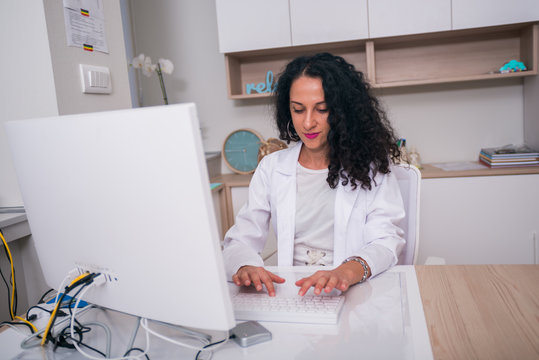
(95, 79)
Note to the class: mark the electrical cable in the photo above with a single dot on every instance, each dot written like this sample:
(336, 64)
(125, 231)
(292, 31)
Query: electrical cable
(42, 298)
(133, 336)
(33, 316)
(82, 326)
(212, 344)
(80, 280)
(144, 324)
(62, 341)
(16, 323)
(73, 316)
(137, 349)
(13, 303)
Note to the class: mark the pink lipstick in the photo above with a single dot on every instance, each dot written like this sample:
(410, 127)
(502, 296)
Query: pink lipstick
(311, 135)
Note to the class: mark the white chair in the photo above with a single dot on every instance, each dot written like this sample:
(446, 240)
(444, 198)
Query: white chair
(409, 179)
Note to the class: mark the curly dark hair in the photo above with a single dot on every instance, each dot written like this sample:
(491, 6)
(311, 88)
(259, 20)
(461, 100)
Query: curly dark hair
(361, 138)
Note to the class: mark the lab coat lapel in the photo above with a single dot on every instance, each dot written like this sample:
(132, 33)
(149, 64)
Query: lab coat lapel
(285, 182)
(344, 203)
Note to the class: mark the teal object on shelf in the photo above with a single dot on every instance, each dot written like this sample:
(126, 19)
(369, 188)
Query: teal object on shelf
(240, 150)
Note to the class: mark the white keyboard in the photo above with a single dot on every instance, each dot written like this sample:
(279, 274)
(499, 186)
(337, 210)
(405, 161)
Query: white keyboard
(298, 309)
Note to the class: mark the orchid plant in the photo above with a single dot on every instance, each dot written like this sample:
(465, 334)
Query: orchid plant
(148, 68)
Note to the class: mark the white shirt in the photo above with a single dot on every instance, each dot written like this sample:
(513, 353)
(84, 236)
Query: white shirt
(315, 211)
(367, 222)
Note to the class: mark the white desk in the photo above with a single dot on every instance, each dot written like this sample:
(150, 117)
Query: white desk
(382, 319)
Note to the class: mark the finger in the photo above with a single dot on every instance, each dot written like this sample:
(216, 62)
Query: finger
(236, 279)
(255, 279)
(276, 278)
(333, 281)
(307, 283)
(245, 279)
(268, 282)
(343, 285)
(320, 284)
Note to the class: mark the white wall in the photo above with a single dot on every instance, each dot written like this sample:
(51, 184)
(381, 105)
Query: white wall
(41, 73)
(66, 60)
(186, 32)
(447, 122)
(40, 77)
(27, 82)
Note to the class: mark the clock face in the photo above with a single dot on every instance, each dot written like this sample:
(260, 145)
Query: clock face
(240, 151)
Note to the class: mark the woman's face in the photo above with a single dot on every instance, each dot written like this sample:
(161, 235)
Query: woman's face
(310, 113)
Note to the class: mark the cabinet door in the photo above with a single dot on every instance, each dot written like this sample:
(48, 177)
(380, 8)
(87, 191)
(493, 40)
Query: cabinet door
(392, 18)
(479, 13)
(320, 21)
(480, 220)
(252, 24)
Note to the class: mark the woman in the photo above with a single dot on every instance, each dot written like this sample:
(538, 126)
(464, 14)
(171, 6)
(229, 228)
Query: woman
(332, 198)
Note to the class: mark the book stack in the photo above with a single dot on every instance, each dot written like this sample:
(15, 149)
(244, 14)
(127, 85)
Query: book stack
(509, 156)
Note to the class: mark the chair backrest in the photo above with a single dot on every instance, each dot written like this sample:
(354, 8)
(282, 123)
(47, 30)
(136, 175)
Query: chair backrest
(409, 179)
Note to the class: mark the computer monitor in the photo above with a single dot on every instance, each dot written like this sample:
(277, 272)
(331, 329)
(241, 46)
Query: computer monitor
(126, 193)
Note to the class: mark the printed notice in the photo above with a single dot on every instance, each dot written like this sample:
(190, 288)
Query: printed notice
(85, 24)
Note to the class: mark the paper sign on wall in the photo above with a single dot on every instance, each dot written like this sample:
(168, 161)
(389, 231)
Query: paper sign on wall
(85, 24)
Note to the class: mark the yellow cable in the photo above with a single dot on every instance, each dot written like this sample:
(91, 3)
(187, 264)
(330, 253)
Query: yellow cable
(13, 316)
(79, 277)
(49, 324)
(46, 333)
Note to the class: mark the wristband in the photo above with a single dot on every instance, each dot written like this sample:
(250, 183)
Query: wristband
(363, 263)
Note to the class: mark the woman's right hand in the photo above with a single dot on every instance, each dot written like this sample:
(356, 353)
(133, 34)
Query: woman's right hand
(256, 275)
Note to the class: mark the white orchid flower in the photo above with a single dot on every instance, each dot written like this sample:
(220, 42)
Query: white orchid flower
(138, 61)
(166, 66)
(148, 68)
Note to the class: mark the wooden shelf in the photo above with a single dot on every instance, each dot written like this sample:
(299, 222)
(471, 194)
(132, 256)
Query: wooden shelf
(442, 57)
(251, 67)
(453, 56)
(431, 172)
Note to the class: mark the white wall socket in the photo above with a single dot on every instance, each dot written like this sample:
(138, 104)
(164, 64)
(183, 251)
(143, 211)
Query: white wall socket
(95, 79)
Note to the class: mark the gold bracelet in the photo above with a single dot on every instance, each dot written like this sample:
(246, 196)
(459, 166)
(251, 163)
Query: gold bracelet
(363, 263)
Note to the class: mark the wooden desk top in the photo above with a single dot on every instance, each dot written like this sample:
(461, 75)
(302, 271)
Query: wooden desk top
(481, 311)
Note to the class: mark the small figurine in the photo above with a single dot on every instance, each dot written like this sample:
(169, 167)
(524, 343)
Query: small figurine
(513, 66)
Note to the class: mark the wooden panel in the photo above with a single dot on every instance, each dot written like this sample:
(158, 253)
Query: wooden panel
(252, 67)
(481, 312)
(445, 58)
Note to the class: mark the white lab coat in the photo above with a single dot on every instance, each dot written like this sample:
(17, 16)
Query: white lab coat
(366, 222)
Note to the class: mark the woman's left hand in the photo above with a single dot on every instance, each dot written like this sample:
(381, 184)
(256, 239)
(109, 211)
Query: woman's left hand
(340, 278)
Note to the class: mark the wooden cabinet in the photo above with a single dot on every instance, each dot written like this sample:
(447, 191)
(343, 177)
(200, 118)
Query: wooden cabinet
(479, 13)
(322, 21)
(393, 18)
(480, 220)
(440, 57)
(252, 24)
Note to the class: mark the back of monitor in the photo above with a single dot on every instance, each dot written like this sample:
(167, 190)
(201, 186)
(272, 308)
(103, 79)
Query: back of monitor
(126, 193)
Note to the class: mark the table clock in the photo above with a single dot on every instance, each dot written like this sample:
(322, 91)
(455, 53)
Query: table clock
(240, 150)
